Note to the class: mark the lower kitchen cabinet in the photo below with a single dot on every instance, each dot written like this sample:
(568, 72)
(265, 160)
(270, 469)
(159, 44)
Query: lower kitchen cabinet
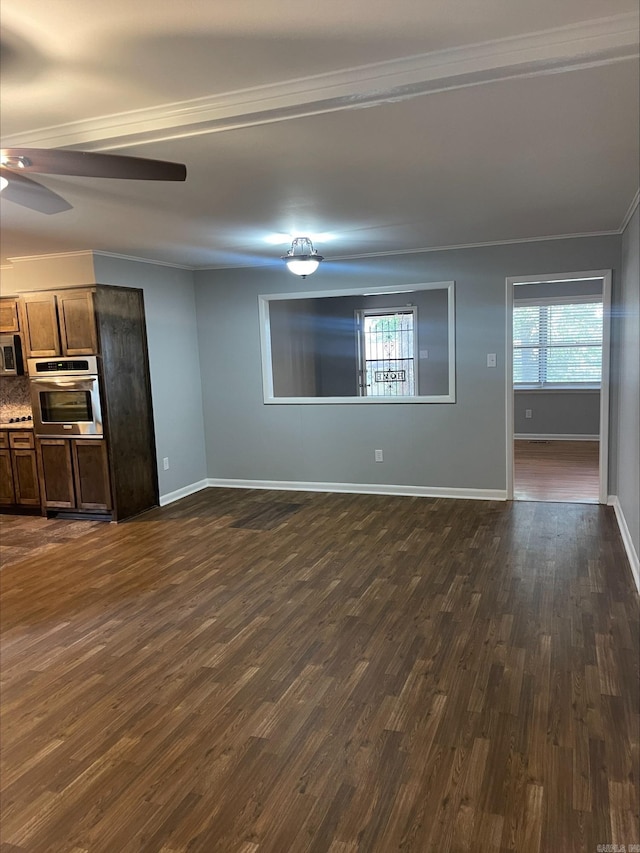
(18, 470)
(74, 474)
(7, 492)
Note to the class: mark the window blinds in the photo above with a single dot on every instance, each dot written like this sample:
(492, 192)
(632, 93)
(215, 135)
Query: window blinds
(557, 342)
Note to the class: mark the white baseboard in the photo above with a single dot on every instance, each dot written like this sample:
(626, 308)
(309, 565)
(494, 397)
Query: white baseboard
(626, 538)
(184, 492)
(363, 489)
(532, 436)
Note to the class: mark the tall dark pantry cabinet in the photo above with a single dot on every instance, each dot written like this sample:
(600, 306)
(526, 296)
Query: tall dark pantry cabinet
(115, 476)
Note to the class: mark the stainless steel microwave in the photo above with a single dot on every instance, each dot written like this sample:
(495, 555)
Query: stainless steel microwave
(65, 397)
(10, 356)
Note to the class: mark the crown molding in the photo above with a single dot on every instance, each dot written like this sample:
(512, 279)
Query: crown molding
(630, 212)
(102, 254)
(80, 253)
(270, 261)
(598, 42)
(426, 249)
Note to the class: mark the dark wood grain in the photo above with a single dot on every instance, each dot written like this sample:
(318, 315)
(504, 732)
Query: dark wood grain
(368, 673)
(25, 477)
(7, 491)
(91, 474)
(127, 402)
(77, 322)
(40, 324)
(57, 488)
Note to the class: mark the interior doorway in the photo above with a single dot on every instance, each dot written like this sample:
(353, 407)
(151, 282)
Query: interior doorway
(557, 386)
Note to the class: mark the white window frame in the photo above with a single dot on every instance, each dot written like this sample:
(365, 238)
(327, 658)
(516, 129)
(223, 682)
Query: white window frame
(361, 314)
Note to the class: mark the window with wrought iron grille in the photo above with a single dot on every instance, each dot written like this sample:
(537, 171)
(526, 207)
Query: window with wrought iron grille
(557, 342)
(387, 351)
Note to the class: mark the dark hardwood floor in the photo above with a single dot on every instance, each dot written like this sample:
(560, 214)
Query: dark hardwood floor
(250, 671)
(557, 471)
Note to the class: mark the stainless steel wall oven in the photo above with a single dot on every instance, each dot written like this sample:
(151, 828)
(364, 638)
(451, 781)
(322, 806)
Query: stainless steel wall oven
(65, 397)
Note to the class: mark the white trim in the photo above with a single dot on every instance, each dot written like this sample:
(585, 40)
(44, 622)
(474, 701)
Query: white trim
(511, 281)
(103, 254)
(555, 389)
(92, 252)
(81, 253)
(361, 489)
(586, 44)
(484, 245)
(184, 492)
(605, 385)
(534, 436)
(266, 355)
(632, 209)
(426, 249)
(265, 263)
(629, 547)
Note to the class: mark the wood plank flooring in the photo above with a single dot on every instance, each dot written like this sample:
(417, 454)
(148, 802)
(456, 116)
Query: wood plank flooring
(557, 471)
(264, 672)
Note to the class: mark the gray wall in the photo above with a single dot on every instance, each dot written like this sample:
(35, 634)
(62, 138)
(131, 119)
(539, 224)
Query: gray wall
(557, 412)
(626, 420)
(461, 445)
(169, 301)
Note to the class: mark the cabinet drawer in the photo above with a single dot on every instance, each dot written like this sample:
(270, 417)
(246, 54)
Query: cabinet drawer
(21, 440)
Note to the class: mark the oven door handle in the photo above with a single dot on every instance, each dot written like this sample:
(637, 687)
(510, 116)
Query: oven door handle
(75, 383)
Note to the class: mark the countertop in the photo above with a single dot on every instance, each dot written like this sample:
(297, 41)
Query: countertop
(20, 425)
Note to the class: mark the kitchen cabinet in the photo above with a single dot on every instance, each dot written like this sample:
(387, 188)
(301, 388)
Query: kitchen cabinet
(77, 322)
(59, 323)
(74, 474)
(19, 481)
(7, 492)
(116, 475)
(9, 318)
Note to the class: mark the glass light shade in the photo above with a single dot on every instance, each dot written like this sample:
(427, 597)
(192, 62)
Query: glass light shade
(3, 183)
(302, 259)
(300, 266)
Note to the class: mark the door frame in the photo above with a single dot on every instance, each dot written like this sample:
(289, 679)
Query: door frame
(511, 281)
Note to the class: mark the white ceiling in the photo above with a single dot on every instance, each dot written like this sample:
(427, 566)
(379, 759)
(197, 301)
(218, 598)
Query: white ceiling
(384, 127)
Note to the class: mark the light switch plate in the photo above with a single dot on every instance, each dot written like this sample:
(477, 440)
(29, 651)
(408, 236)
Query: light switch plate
(491, 359)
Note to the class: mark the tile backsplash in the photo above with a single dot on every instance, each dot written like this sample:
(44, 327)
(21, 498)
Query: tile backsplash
(15, 400)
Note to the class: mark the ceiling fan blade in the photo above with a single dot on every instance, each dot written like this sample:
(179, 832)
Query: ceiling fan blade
(22, 190)
(59, 161)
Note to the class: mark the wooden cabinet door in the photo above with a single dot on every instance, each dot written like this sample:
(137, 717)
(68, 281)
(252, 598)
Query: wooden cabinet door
(25, 477)
(41, 335)
(56, 473)
(9, 315)
(7, 494)
(91, 471)
(77, 323)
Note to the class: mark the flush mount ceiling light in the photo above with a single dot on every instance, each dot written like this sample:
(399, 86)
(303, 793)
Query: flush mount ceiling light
(302, 259)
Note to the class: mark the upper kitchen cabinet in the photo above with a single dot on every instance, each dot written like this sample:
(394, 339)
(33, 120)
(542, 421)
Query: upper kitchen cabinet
(9, 318)
(59, 323)
(40, 321)
(77, 322)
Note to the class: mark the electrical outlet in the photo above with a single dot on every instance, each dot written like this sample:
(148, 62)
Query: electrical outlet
(527, 413)
(165, 463)
(491, 359)
(378, 456)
